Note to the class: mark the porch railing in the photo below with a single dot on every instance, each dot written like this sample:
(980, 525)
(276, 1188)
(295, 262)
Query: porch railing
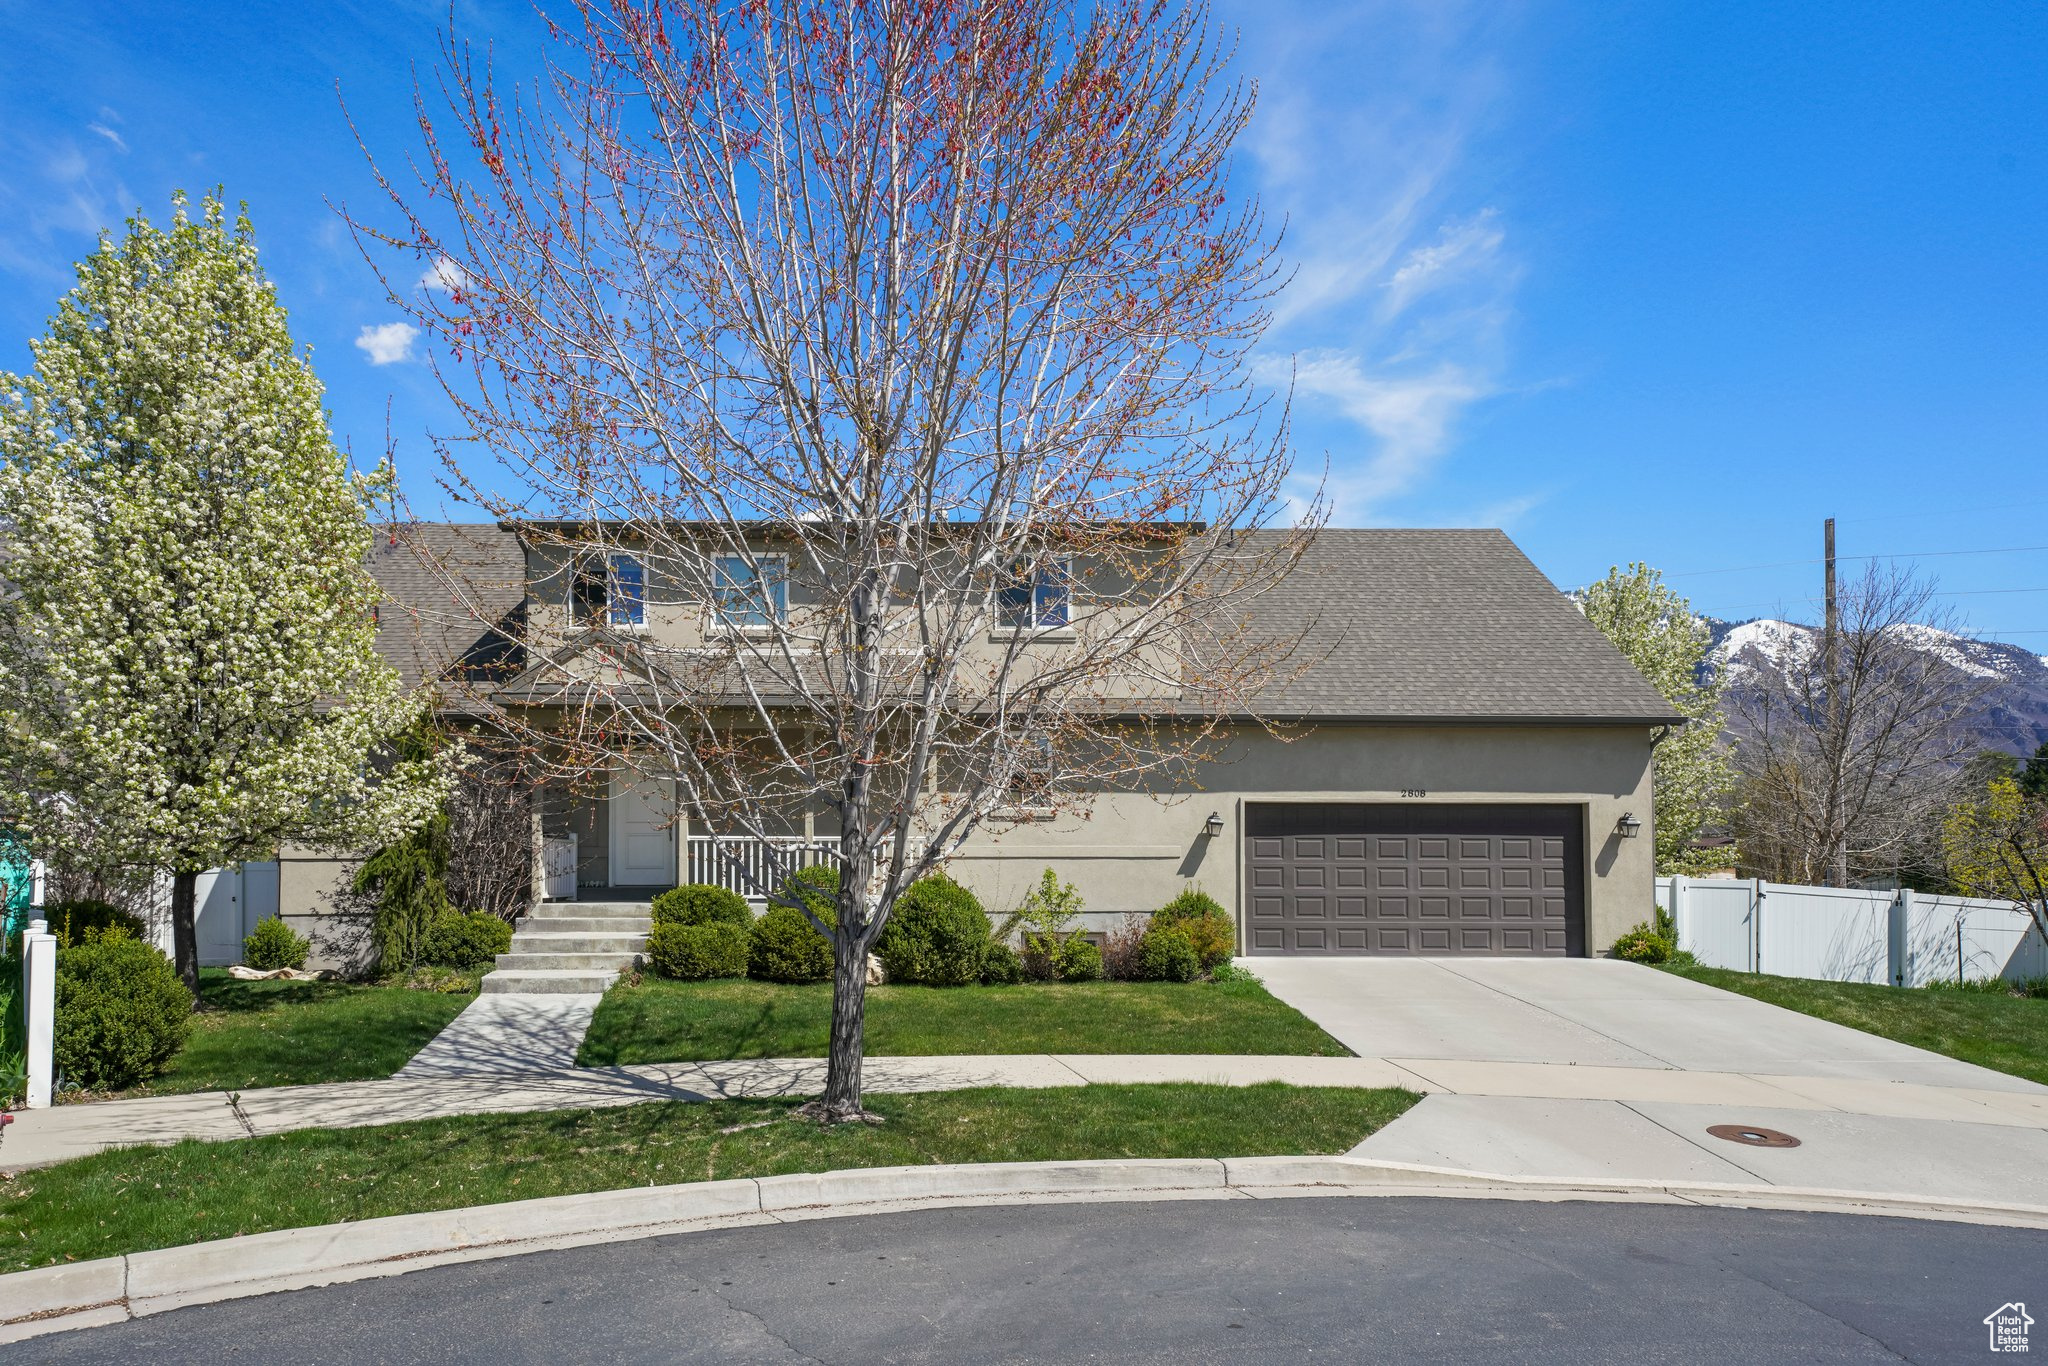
(751, 866)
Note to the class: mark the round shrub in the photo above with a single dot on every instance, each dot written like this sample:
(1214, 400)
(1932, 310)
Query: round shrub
(786, 947)
(274, 944)
(1081, 961)
(1643, 945)
(936, 935)
(817, 887)
(699, 903)
(70, 921)
(470, 940)
(1000, 965)
(1208, 927)
(695, 953)
(121, 1011)
(1166, 954)
(1191, 904)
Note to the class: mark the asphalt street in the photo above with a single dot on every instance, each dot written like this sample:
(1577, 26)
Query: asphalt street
(1328, 1279)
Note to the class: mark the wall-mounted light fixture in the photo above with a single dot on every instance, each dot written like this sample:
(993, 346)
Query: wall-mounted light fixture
(1214, 825)
(1628, 827)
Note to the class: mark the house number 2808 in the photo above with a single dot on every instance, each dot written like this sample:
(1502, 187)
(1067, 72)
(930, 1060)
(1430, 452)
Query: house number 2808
(1415, 792)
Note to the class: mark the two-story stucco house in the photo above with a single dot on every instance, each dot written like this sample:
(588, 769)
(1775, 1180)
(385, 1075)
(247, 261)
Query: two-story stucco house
(1465, 769)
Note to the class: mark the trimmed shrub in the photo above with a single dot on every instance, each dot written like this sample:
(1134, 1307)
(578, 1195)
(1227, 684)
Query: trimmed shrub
(121, 1011)
(466, 940)
(699, 903)
(694, 953)
(1082, 961)
(71, 921)
(1643, 944)
(817, 887)
(936, 936)
(1000, 966)
(785, 946)
(1198, 915)
(274, 944)
(1168, 955)
(1192, 903)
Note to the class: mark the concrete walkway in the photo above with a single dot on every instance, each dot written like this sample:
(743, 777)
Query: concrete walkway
(1464, 1094)
(1595, 1069)
(506, 1034)
(1578, 1070)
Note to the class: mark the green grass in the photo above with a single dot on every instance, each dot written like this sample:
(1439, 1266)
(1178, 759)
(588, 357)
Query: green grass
(133, 1199)
(280, 1033)
(664, 1021)
(2002, 1032)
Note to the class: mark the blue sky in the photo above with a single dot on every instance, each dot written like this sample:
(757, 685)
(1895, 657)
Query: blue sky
(1668, 282)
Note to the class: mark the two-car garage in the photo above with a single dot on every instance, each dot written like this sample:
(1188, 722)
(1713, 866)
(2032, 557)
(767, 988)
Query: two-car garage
(1414, 878)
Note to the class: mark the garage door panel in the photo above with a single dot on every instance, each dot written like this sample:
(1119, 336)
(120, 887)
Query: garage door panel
(1376, 878)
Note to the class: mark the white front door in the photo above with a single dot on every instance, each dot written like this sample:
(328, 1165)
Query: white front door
(643, 820)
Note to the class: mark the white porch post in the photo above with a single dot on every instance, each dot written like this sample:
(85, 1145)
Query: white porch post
(39, 990)
(682, 831)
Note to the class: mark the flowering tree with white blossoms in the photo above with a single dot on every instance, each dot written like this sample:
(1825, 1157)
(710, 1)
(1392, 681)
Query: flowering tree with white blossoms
(1655, 628)
(186, 619)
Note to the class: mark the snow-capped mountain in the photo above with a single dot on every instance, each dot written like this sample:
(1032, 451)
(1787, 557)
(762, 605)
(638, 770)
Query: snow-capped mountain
(2015, 717)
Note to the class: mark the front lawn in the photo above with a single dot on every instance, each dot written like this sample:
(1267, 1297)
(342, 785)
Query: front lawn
(2005, 1033)
(664, 1021)
(279, 1033)
(133, 1199)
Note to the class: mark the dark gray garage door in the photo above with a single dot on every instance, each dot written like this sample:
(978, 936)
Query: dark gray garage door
(1414, 879)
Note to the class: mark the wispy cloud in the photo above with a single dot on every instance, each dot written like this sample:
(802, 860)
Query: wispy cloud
(120, 143)
(1403, 294)
(1409, 415)
(387, 343)
(1463, 252)
(444, 276)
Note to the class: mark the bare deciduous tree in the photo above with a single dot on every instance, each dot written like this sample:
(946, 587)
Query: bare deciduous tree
(1847, 762)
(871, 377)
(490, 830)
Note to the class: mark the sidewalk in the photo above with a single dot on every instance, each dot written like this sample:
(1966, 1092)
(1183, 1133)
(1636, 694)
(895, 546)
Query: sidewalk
(1582, 1117)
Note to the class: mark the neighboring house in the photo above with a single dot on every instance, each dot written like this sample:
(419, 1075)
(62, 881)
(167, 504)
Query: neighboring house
(1466, 768)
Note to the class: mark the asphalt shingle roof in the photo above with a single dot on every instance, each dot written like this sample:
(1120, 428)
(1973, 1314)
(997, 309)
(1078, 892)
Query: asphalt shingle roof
(1409, 625)
(1449, 624)
(428, 624)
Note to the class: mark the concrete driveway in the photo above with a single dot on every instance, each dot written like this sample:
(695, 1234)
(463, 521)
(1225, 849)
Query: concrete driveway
(1596, 1068)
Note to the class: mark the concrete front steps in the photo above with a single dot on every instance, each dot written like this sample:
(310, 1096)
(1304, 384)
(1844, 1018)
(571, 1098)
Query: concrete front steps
(577, 947)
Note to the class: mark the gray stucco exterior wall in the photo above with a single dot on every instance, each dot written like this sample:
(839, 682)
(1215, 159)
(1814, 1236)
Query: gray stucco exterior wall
(1130, 852)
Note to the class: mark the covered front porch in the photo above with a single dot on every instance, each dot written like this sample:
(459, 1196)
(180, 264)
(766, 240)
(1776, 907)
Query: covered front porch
(625, 839)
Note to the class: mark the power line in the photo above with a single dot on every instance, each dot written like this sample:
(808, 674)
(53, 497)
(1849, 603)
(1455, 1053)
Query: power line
(1912, 555)
(1943, 593)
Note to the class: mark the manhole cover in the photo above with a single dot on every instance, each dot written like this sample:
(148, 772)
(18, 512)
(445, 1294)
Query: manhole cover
(1752, 1135)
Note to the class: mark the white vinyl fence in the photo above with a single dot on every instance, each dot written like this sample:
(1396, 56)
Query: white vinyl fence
(1835, 934)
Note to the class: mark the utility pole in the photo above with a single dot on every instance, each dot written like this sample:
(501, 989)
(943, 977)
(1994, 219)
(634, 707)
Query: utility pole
(1831, 654)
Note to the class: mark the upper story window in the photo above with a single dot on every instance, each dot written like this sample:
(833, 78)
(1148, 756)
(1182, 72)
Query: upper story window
(1037, 597)
(611, 589)
(751, 592)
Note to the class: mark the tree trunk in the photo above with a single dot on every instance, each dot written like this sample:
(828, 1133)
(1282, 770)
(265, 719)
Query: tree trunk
(185, 929)
(842, 1098)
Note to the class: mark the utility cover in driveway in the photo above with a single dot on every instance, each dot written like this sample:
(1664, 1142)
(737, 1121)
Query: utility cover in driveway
(1414, 879)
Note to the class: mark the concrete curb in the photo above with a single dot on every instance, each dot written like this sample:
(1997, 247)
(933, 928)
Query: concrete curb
(113, 1289)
